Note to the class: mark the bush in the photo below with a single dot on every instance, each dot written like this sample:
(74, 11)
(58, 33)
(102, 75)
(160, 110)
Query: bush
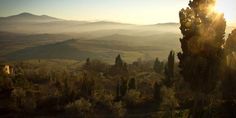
(22, 102)
(157, 93)
(133, 98)
(81, 106)
(169, 102)
(105, 99)
(6, 85)
(118, 109)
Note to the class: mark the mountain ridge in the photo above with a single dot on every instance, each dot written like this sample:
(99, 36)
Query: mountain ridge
(30, 15)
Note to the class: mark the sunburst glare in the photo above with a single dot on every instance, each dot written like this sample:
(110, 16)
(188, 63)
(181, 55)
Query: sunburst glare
(227, 7)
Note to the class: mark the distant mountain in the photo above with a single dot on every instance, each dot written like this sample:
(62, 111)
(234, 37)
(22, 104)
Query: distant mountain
(28, 17)
(30, 23)
(40, 24)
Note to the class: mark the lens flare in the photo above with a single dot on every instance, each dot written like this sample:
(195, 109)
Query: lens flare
(227, 7)
(218, 7)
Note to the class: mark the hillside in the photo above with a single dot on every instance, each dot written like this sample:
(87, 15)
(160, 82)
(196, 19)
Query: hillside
(104, 48)
(47, 37)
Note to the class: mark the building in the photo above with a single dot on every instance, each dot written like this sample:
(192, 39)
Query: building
(6, 70)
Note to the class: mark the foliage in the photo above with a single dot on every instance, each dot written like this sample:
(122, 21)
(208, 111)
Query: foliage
(118, 109)
(158, 66)
(133, 98)
(203, 32)
(120, 68)
(202, 57)
(118, 61)
(87, 86)
(231, 42)
(169, 102)
(228, 84)
(169, 69)
(95, 66)
(21, 101)
(81, 106)
(121, 88)
(103, 98)
(131, 84)
(157, 92)
(230, 50)
(6, 85)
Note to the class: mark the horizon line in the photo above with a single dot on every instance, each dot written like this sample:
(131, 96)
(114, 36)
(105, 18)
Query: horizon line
(232, 24)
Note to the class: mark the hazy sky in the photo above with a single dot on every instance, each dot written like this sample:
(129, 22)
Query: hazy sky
(127, 11)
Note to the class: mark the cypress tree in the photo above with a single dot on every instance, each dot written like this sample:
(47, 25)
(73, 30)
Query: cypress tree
(158, 66)
(202, 50)
(157, 92)
(169, 69)
(131, 84)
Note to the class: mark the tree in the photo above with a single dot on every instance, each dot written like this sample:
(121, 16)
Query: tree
(158, 66)
(118, 91)
(169, 69)
(119, 61)
(228, 83)
(231, 42)
(87, 64)
(121, 89)
(202, 54)
(157, 93)
(230, 50)
(131, 84)
(120, 68)
(87, 86)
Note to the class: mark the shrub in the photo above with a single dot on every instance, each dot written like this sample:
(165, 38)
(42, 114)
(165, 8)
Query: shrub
(158, 66)
(118, 109)
(121, 88)
(133, 98)
(105, 99)
(157, 92)
(6, 85)
(82, 107)
(131, 84)
(169, 102)
(22, 102)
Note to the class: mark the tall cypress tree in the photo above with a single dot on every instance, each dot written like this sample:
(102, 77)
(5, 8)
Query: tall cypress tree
(158, 66)
(169, 69)
(228, 83)
(231, 42)
(202, 49)
(119, 61)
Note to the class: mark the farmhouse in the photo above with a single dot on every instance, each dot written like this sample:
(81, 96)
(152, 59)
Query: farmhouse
(6, 70)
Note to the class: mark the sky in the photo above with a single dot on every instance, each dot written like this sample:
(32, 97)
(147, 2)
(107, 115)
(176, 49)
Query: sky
(125, 11)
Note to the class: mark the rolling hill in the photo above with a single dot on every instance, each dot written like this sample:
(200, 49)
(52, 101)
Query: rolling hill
(27, 36)
(103, 48)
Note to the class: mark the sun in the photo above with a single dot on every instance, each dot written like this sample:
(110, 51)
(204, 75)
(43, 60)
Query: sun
(216, 8)
(227, 7)
(219, 7)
